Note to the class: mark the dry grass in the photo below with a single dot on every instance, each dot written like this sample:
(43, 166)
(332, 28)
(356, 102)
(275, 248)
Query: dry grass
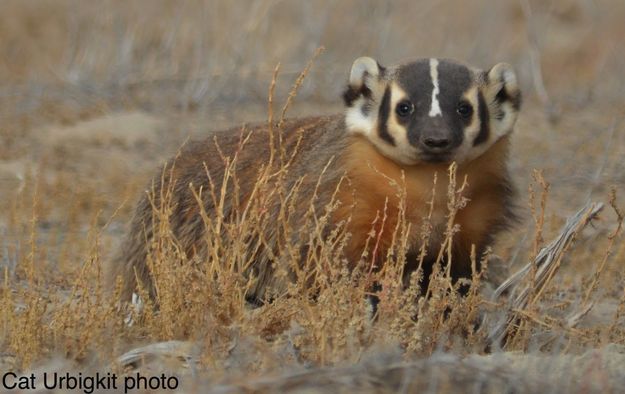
(73, 70)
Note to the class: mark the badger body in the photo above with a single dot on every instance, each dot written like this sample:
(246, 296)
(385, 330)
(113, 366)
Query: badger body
(403, 125)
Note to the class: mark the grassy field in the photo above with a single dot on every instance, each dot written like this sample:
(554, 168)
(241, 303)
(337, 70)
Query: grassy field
(94, 96)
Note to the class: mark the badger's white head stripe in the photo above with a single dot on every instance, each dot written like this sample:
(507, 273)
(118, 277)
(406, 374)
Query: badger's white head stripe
(435, 109)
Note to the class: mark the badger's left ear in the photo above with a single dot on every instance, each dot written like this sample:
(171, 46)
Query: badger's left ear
(503, 96)
(502, 86)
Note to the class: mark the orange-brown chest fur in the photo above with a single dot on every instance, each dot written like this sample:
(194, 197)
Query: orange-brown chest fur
(377, 186)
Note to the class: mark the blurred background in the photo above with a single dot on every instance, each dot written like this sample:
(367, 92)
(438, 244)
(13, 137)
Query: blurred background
(94, 95)
(220, 50)
(164, 55)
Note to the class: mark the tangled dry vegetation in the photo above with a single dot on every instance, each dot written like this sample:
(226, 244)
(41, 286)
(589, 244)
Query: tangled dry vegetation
(525, 325)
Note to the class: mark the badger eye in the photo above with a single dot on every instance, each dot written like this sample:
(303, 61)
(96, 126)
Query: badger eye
(404, 108)
(464, 109)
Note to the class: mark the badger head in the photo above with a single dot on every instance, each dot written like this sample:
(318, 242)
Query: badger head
(431, 110)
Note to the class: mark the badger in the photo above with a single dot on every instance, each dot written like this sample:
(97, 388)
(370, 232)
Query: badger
(401, 125)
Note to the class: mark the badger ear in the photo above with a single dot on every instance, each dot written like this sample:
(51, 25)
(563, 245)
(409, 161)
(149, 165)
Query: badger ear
(364, 79)
(363, 68)
(503, 98)
(502, 86)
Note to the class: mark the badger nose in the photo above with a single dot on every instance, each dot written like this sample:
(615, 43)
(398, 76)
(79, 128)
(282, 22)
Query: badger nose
(436, 142)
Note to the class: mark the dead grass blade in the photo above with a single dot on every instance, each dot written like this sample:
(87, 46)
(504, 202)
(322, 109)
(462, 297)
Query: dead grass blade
(546, 265)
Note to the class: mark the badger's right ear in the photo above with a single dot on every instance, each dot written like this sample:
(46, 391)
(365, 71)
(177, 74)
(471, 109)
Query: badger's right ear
(364, 79)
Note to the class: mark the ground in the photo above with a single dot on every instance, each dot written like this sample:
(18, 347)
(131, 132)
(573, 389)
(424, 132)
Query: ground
(94, 96)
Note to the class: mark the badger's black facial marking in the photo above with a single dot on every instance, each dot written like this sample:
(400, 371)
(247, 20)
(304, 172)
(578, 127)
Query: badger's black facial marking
(426, 124)
(385, 109)
(482, 111)
(414, 79)
(454, 81)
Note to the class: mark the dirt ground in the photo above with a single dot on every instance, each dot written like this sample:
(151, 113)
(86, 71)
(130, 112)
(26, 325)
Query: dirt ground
(95, 95)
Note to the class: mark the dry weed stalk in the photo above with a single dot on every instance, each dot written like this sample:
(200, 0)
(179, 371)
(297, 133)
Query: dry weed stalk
(547, 262)
(608, 251)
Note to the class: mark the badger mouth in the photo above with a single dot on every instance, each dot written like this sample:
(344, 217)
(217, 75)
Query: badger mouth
(436, 157)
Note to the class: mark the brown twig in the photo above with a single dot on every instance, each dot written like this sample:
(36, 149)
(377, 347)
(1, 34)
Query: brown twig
(547, 263)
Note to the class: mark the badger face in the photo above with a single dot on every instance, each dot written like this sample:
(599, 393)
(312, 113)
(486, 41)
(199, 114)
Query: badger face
(431, 110)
